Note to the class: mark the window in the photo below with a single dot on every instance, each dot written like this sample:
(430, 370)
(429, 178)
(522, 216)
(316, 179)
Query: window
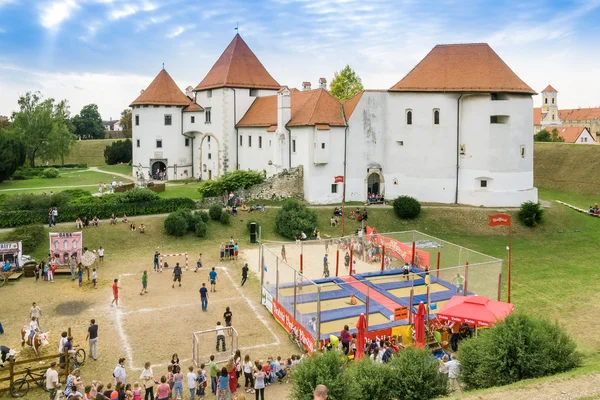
(156, 106)
(159, 143)
(253, 92)
(522, 151)
(167, 119)
(207, 115)
(241, 140)
(334, 188)
(553, 100)
(145, 106)
(193, 119)
(322, 145)
(249, 141)
(293, 145)
(401, 143)
(499, 119)
(436, 117)
(552, 116)
(167, 106)
(463, 149)
(208, 138)
(483, 183)
(499, 96)
(137, 143)
(187, 142)
(209, 156)
(260, 142)
(408, 117)
(209, 93)
(137, 120)
(545, 101)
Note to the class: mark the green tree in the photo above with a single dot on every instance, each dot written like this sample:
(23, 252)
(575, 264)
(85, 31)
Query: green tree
(542, 136)
(89, 123)
(555, 136)
(125, 122)
(60, 143)
(12, 154)
(4, 123)
(35, 121)
(345, 84)
(118, 152)
(294, 218)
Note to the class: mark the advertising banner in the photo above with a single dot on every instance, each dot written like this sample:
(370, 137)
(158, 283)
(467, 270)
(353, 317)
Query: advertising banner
(291, 325)
(398, 249)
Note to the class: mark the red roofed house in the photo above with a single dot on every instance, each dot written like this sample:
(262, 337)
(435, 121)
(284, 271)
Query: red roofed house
(455, 129)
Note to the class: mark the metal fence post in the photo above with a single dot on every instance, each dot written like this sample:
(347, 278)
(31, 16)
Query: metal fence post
(318, 316)
(277, 278)
(295, 294)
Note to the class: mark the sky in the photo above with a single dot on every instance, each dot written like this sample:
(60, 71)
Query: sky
(106, 51)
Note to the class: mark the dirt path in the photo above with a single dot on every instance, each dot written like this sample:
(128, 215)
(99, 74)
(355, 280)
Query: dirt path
(96, 169)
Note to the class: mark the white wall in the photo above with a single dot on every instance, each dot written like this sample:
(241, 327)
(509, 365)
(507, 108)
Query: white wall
(152, 128)
(585, 138)
(256, 158)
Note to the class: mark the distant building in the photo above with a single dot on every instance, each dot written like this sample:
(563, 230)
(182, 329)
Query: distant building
(3, 118)
(575, 134)
(549, 116)
(112, 125)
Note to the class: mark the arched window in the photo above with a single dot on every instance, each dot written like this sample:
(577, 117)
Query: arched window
(553, 100)
(56, 244)
(408, 117)
(546, 100)
(65, 244)
(436, 116)
(74, 244)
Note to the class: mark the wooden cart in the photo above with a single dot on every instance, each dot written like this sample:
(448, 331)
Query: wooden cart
(9, 276)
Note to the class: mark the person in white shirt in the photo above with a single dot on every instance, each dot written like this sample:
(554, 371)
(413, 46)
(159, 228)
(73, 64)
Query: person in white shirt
(33, 328)
(453, 367)
(36, 312)
(220, 336)
(119, 372)
(191, 381)
(147, 378)
(101, 255)
(52, 380)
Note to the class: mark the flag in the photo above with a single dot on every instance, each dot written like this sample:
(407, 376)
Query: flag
(338, 179)
(499, 220)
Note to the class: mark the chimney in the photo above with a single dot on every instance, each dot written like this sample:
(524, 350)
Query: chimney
(323, 83)
(284, 108)
(305, 85)
(189, 92)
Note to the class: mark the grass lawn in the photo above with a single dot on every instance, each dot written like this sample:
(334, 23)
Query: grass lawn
(65, 179)
(181, 190)
(119, 169)
(90, 152)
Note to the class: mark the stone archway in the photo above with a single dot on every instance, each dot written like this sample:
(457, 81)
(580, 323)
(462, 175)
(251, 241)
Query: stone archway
(209, 156)
(374, 181)
(157, 166)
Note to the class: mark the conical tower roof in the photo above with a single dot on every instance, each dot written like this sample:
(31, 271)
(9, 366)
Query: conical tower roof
(162, 91)
(238, 67)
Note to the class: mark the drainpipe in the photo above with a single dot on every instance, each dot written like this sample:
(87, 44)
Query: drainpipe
(237, 143)
(191, 141)
(289, 146)
(457, 146)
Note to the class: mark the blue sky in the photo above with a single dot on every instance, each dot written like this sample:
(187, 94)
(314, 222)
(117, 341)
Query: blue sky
(105, 51)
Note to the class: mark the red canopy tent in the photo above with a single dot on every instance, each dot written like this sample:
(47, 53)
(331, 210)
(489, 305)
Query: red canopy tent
(361, 325)
(475, 310)
(420, 326)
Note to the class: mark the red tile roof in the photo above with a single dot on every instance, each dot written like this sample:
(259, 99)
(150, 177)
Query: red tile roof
(579, 114)
(462, 68)
(162, 91)
(549, 88)
(193, 107)
(238, 67)
(537, 115)
(309, 107)
(351, 103)
(570, 133)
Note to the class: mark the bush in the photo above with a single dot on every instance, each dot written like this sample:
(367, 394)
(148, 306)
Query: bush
(176, 225)
(118, 152)
(203, 216)
(326, 369)
(31, 236)
(407, 207)
(137, 195)
(200, 229)
(50, 173)
(250, 221)
(224, 218)
(215, 212)
(230, 182)
(293, 218)
(421, 378)
(369, 380)
(12, 154)
(530, 213)
(520, 347)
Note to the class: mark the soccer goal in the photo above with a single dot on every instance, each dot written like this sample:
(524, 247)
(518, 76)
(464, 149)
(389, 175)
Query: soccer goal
(204, 344)
(187, 261)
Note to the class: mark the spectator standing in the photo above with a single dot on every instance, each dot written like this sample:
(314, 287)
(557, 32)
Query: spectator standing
(119, 372)
(244, 273)
(224, 392)
(101, 255)
(72, 267)
(259, 383)
(147, 378)
(220, 336)
(283, 254)
(162, 392)
(52, 380)
(177, 382)
(213, 371)
(191, 381)
(204, 296)
(92, 337)
(453, 367)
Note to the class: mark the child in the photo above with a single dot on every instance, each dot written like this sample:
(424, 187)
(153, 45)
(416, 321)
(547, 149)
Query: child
(266, 368)
(129, 392)
(45, 270)
(144, 283)
(288, 368)
(201, 382)
(108, 390)
(37, 273)
(142, 228)
(94, 278)
(80, 275)
(137, 391)
(170, 378)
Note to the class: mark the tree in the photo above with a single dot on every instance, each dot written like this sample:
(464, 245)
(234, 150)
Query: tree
(12, 154)
(294, 218)
(4, 123)
(36, 119)
(118, 152)
(556, 137)
(545, 136)
(126, 123)
(60, 143)
(345, 84)
(88, 123)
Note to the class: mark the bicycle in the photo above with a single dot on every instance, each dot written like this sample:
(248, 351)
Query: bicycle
(294, 339)
(77, 359)
(20, 387)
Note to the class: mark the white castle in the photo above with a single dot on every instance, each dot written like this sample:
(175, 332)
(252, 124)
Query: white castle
(455, 129)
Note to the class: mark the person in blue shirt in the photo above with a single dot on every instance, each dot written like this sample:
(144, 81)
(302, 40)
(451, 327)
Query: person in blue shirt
(6, 266)
(204, 297)
(156, 255)
(212, 275)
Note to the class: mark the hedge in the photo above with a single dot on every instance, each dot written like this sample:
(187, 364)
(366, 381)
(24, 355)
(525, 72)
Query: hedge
(11, 219)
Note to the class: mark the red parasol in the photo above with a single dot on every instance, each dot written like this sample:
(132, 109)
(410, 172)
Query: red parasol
(475, 310)
(420, 325)
(361, 325)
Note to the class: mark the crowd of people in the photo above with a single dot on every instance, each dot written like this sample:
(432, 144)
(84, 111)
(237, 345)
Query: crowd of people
(104, 187)
(113, 220)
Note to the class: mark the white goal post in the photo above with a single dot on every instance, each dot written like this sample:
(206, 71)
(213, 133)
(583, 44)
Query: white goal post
(187, 261)
(204, 344)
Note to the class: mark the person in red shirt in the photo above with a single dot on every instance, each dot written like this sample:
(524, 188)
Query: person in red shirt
(115, 288)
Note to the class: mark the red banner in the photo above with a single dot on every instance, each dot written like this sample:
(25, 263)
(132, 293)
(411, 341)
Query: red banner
(499, 220)
(290, 324)
(398, 249)
(338, 179)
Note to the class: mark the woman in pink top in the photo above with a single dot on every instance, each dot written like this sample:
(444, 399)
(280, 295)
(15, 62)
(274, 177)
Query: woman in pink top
(137, 391)
(345, 336)
(162, 392)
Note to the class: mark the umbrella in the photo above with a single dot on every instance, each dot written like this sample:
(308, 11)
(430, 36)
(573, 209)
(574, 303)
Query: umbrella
(361, 325)
(420, 326)
(475, 310)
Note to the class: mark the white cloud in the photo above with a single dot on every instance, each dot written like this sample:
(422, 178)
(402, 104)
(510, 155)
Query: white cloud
(178, 30)
(53, 14)
(130, 9)
(5, 2)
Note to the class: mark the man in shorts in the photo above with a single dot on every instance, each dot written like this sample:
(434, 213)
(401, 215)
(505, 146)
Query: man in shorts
(144, 283)
(406, 271)
(228, 315)
(101, 255)
(198, 263)
(156, 265)
(115, 288)
(212, 275)
(176, 275)
(459, 282)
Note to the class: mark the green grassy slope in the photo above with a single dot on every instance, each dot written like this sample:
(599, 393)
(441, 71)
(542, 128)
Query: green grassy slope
(90, 152)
